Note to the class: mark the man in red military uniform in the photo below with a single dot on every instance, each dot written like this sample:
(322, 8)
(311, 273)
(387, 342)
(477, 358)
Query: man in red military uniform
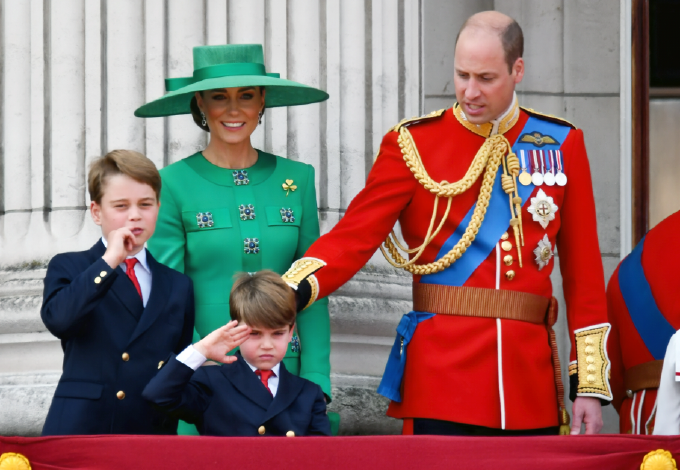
(477, 354)
(644, 314)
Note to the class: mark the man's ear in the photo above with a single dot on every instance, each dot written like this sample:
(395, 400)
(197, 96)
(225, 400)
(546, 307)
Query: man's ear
(96, 212)
(518, 70)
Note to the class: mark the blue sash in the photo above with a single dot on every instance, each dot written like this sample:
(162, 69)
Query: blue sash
(394, 370)
(495, 223)
(649, 322)
(497, 218)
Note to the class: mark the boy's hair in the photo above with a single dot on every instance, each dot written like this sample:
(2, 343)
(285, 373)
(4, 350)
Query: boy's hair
(122, 162)
(262, 300)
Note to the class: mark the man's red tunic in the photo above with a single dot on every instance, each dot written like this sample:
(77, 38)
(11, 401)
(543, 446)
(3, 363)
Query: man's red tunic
(480, 371)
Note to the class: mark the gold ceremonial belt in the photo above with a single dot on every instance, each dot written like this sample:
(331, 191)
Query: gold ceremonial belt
(642, 376)
(480, 302)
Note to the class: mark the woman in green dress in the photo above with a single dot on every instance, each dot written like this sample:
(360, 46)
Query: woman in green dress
(232, 208)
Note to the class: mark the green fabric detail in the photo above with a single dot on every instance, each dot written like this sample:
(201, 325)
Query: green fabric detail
(221, 70)
(334, 418)
(250, 229)
(186, 429)
(229, 66)
(274, 215)
(292, 364)
(172, 84)
(205, 56)
(220, 219)
(257, 174)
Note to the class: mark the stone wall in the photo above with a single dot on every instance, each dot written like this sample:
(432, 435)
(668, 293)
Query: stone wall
(72, 72)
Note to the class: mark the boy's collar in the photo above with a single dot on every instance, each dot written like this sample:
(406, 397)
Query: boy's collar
(141, 255)
(275, 369)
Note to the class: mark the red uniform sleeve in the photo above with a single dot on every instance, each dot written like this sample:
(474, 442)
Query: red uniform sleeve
(577, 244)
(368, 220)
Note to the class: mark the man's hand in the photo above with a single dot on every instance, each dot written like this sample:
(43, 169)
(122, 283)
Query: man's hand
(120, 244)
(586, 410)
(217, 344)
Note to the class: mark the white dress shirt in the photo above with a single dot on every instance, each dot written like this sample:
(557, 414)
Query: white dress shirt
(142, 272)
(190, 357)
(667, 422)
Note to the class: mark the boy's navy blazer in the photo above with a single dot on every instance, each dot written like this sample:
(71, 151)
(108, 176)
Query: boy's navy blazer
(230, 400)
(112, 344)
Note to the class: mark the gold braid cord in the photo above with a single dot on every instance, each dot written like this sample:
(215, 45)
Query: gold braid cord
(488, 160)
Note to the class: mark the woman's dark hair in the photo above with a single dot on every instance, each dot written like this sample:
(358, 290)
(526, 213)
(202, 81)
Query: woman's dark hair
(196, 113)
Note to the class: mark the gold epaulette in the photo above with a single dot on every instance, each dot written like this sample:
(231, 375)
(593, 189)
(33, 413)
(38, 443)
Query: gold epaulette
(417, 119)
(549, 117)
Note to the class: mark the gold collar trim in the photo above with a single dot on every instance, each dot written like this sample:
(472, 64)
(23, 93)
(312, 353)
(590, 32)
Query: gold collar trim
(497, 126)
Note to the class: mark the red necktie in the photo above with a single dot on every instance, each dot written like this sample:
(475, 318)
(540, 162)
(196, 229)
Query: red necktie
(264, 377)
(130, 271)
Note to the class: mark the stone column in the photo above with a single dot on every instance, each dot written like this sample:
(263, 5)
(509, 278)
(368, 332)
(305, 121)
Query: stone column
(72, 75)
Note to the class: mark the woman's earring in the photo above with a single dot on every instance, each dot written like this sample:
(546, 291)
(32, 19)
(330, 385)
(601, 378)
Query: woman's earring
(261, 114)
(203, 122)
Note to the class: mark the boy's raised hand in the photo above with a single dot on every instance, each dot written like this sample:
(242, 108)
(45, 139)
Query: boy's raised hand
(217, 344)
(121, 243)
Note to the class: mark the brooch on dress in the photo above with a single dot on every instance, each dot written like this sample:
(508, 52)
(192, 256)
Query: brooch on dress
(247, 212)
(204, 219)
(295, 343)
(240, 177)
(287, 215)
(251, 246)
(288, 186)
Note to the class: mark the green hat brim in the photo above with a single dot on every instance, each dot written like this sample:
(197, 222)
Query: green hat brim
(279, 92)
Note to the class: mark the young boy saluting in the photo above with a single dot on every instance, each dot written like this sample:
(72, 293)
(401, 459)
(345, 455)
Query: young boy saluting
(251, 393)
(117, 311)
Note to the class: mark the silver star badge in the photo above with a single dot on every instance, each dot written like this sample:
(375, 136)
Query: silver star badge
(542, 208)
(543, 252)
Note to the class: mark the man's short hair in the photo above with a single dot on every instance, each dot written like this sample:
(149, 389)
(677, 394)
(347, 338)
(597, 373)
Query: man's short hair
(122, 162)
(511, 37)
(513, 43)
(262, 300)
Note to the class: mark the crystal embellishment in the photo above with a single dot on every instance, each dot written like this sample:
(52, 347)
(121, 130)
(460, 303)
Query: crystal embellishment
(204, 219)
(247, 211)
(287, 215)
(295, 343)
(251, 246)
(240, 177)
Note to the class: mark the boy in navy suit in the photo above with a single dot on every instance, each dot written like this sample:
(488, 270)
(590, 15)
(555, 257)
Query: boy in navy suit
(250, 393)
(117, 311)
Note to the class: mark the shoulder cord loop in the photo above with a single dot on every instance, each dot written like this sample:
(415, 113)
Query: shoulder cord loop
(489, 158)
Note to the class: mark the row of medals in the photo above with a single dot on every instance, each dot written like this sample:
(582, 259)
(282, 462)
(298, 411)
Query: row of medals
(544, 164)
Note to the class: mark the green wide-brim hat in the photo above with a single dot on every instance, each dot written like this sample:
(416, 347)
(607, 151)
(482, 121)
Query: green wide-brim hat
(229, 66)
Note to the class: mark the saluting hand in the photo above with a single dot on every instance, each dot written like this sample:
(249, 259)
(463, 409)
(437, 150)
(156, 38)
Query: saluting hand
(217, 344)
(121, 243)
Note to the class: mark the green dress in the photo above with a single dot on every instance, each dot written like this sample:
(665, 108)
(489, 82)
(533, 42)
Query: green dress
(216, 222)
